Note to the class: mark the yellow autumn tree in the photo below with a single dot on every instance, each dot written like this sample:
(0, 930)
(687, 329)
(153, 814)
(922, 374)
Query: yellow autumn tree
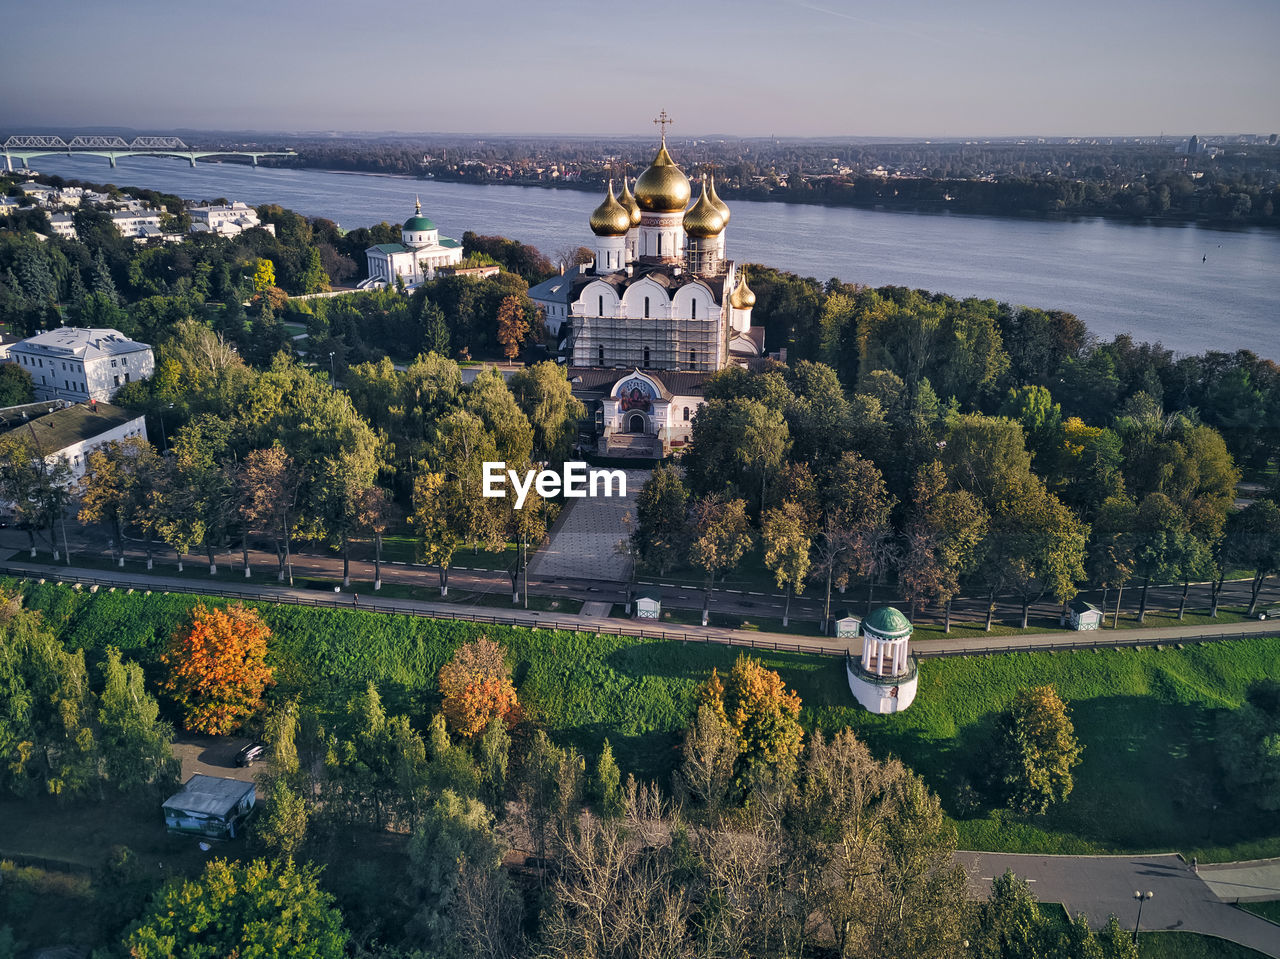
(476, 688)
(217, 668)
(755, 703)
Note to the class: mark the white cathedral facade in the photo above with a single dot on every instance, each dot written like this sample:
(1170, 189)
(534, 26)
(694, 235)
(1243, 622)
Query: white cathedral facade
(420, 252)
(660, 310)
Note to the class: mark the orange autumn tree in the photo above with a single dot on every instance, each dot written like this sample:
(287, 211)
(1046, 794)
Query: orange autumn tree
(476, 687)
(756, 705)
(218, 669)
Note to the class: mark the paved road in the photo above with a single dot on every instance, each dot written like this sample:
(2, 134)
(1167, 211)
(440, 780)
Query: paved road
(1099, 886)
(592, 585)
(976, 646)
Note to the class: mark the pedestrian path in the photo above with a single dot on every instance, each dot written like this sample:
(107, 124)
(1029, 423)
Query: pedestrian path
(594, 620)
(584, 541)
(1101, 886)
(1243, 881)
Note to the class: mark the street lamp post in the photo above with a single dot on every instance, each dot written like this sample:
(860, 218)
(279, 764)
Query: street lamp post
(331, 375)
(164, 439)
(1141, 897)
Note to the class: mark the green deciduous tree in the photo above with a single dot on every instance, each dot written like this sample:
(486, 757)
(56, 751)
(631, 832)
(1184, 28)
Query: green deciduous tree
(1249, 745)
(134, 743)
(260, 908)
(543, 393)
(720, 537)
(786, 536)
(1036, 749)
(1253, 541)
(943, 537)
(662, 530)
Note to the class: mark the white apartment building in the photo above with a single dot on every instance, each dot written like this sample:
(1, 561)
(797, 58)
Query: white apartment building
(73, 432)
(228, 220)
(63, 224)
(80, 365)
(141, 224)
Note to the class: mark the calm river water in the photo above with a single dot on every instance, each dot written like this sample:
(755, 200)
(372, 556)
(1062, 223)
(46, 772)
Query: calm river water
(1188, 287)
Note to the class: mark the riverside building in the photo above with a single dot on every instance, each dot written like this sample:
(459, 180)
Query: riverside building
(420, 252)
(661, 309)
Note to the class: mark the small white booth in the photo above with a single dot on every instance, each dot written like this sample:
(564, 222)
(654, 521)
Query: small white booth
(847, 626)
(883, 676)
(1081, 615)
(649, 604)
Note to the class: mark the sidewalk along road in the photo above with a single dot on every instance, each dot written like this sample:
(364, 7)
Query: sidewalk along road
(676, 595)
(1100, 886)
(981, 645)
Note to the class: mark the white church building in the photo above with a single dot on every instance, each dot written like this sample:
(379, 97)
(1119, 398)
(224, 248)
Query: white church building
(657, 313)
(420, 252)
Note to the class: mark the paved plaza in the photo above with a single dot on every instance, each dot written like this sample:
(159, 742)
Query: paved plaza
(1099, 886)
(584, 540)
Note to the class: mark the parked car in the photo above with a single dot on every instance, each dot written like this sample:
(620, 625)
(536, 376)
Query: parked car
(250, 754)
(1271, 612)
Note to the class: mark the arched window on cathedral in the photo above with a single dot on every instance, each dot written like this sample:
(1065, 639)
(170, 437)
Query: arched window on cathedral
(646, 307)
(646, 357)
(600, 312)
(693, 357)
(686, 414)
(600, 352)
(695, 309)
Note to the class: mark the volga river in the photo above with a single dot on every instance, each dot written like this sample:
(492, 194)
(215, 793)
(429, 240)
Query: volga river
(1190, 288)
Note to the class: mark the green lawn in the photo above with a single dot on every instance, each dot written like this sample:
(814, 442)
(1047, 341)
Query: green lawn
(1168, 945)
(93, 903)
(1191, 945)
(1146, 717)
(1267, 910)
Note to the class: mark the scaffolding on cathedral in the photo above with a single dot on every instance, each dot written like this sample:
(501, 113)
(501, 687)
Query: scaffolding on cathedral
(657, 343)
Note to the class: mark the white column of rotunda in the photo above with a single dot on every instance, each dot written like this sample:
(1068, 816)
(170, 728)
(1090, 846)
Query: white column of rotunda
(885, 637)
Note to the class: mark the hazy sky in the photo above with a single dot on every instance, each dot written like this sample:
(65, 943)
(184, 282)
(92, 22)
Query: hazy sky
(914, 68)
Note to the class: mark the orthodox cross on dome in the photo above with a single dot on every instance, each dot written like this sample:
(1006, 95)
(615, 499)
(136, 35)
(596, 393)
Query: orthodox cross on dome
(417, 205)
(663, 121)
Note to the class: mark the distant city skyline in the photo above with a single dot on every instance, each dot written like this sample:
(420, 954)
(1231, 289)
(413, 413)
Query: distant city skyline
(928, 69)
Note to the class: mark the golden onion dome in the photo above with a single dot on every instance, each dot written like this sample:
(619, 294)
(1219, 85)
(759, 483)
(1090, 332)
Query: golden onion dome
(742, 298)
(629, 201)
(663, 188)
(718, 203)
(610, 218)
(703, 219)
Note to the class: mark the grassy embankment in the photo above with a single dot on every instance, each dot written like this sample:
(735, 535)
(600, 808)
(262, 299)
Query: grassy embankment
(1146, 718)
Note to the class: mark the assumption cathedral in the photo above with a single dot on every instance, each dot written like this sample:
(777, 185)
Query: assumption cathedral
(660, 310)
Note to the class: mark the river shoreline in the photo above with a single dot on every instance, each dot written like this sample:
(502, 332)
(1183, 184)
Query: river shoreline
(729, 194)
(1190, 289)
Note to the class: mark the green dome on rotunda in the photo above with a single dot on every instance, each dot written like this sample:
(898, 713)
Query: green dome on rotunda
(887, 623)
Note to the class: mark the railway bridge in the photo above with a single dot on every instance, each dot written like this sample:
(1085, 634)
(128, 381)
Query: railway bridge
(24, 147)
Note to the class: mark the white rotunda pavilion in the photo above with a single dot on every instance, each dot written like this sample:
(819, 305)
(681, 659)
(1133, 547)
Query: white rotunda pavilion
(883, 678)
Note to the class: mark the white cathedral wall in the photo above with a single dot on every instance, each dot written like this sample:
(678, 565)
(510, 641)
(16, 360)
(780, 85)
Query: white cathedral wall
(669, 227)
(633, 301)
(610, 253)
(683, 303)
